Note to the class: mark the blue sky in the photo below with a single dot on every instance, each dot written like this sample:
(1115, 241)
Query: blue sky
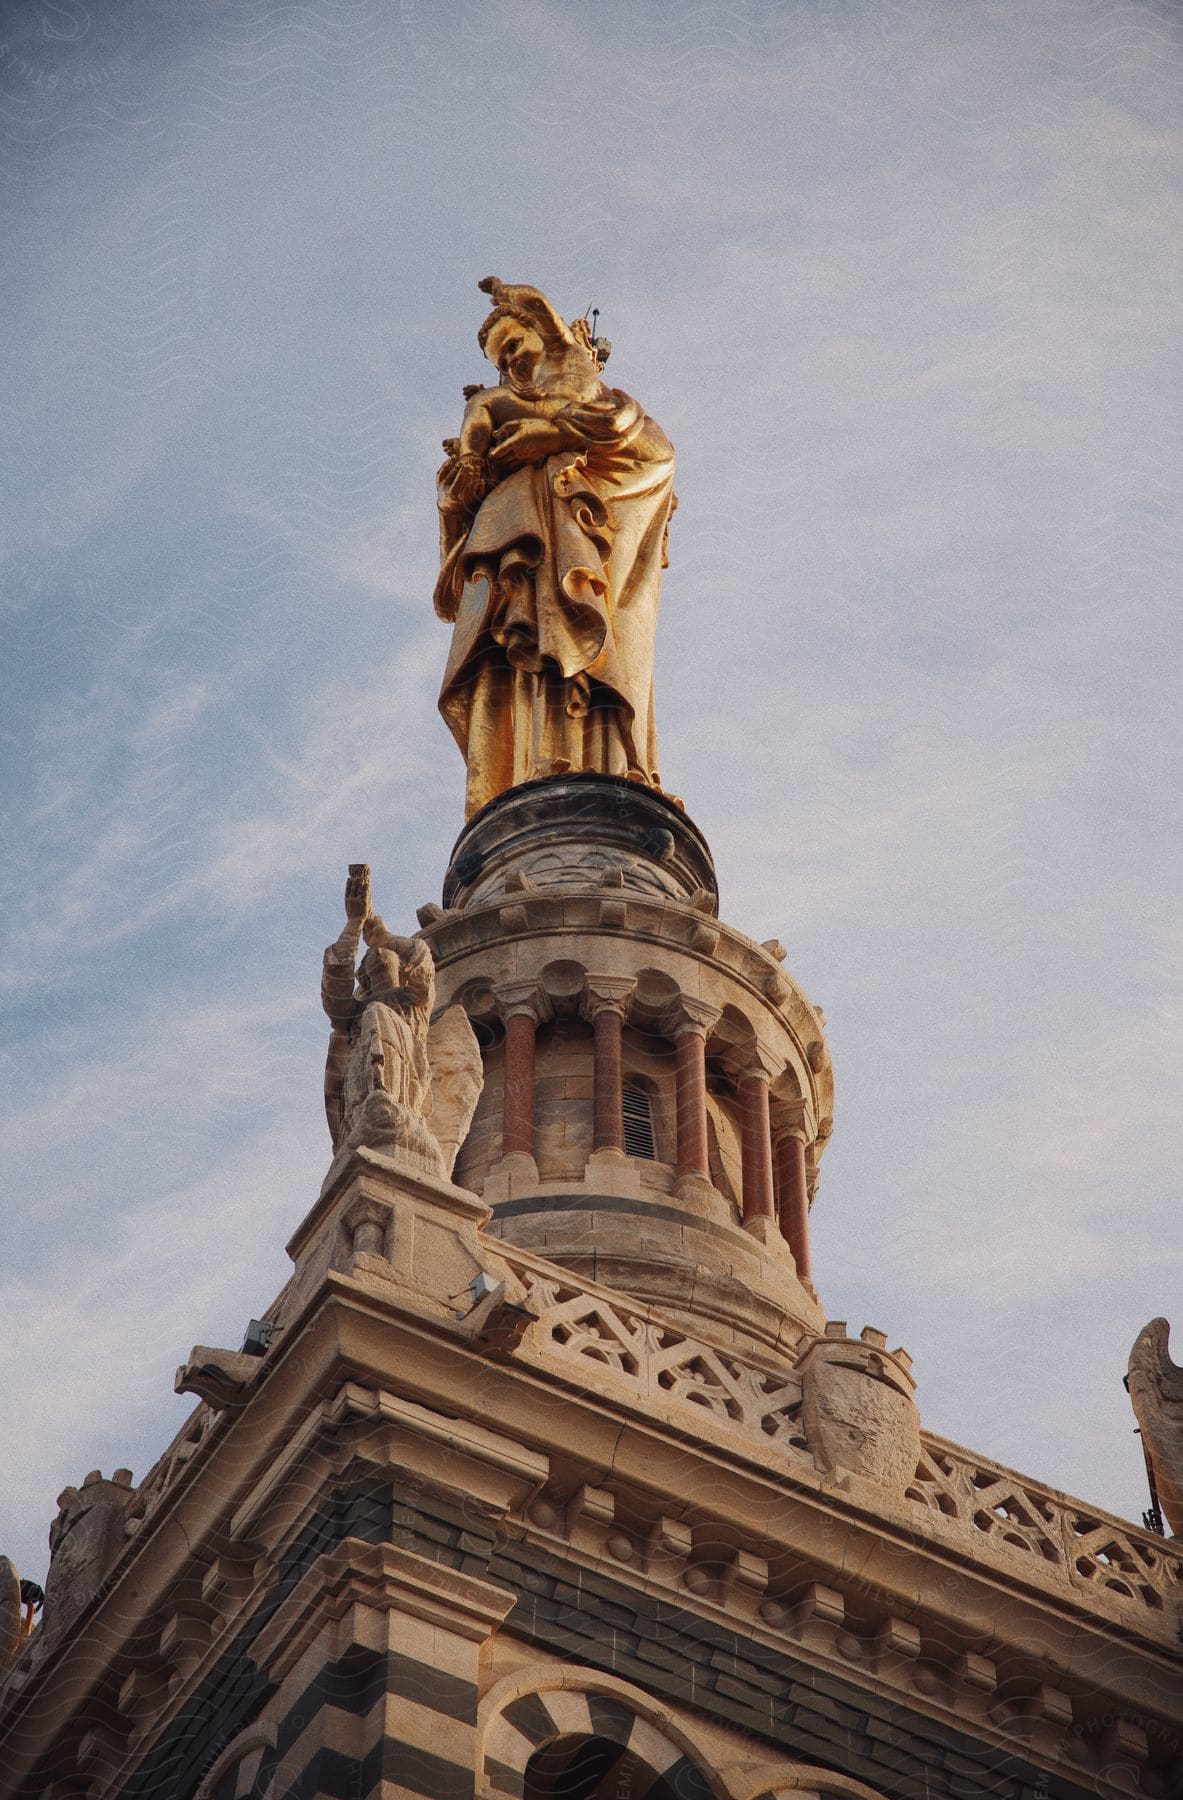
(902, 283)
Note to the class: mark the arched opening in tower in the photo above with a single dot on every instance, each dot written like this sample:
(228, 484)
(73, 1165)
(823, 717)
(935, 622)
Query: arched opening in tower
(597, 1768)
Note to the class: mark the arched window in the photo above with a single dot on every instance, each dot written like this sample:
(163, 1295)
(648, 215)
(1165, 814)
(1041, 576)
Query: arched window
(245, 1770)
(561, 1743)
(597, 1768)
(638, 1122)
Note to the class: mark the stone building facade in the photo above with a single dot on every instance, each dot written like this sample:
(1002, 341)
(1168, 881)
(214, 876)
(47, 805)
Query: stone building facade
(552, 1478)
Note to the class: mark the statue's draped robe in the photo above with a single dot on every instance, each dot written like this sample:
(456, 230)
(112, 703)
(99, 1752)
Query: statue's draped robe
(378, 1041)
(554, 589)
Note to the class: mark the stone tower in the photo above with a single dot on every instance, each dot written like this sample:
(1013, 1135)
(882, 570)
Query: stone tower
(545, 1475)
(656, 1087)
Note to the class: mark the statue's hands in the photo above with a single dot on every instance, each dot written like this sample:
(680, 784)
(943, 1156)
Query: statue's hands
(525, 441)
(357, 893)
(468, 484)
(462, 479)
(599, 421)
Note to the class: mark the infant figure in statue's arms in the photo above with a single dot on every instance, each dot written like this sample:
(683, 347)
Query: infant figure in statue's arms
(550, 399)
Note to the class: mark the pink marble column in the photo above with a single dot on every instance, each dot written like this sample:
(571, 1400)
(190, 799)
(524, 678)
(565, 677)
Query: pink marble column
(608, 1111)
(691, 1079)
(756, 1147)
(793, 1196)
(517, 1129)
(692, 1024)
(605, 999)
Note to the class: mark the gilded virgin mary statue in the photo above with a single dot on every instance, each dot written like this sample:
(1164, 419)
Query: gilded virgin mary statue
(554, 504)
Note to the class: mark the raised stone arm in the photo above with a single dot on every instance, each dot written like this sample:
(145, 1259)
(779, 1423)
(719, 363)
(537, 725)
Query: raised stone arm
(357, 894)
(340, 959)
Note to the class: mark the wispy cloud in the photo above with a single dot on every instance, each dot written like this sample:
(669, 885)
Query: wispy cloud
(87, 1380)
(912, 325)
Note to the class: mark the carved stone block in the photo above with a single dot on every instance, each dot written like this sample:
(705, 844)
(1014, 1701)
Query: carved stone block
(859, 1413)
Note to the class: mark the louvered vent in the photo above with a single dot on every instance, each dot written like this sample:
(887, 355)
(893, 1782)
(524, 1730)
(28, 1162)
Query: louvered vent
(638, 1122)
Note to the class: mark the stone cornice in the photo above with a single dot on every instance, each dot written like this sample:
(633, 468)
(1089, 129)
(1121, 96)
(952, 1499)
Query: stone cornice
(938, 1586)
(383, 1578)
(665, 922)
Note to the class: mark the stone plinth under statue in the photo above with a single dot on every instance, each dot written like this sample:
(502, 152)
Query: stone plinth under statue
(577, 831)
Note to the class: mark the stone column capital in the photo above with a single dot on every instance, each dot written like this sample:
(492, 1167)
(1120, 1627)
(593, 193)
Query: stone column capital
(791, 1125)
(689, 1015)
(758, 1065)
(605, 1001)
(607, 993)
(367, 1220)
(366, 1209)
(521, 998)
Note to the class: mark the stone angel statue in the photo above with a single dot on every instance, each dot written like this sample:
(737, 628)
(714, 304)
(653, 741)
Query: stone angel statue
(554, 503)
(384, 1048)
(1155, 1386)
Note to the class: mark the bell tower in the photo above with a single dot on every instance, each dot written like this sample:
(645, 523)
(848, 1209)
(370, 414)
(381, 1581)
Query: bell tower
(657, 1090)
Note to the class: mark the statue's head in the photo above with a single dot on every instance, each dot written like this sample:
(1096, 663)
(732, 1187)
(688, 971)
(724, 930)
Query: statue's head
(531, 345)
(514, 348)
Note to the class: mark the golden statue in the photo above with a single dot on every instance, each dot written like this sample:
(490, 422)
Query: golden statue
(554, 504)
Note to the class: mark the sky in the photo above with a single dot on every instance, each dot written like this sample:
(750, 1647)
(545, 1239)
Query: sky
(901, 280)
